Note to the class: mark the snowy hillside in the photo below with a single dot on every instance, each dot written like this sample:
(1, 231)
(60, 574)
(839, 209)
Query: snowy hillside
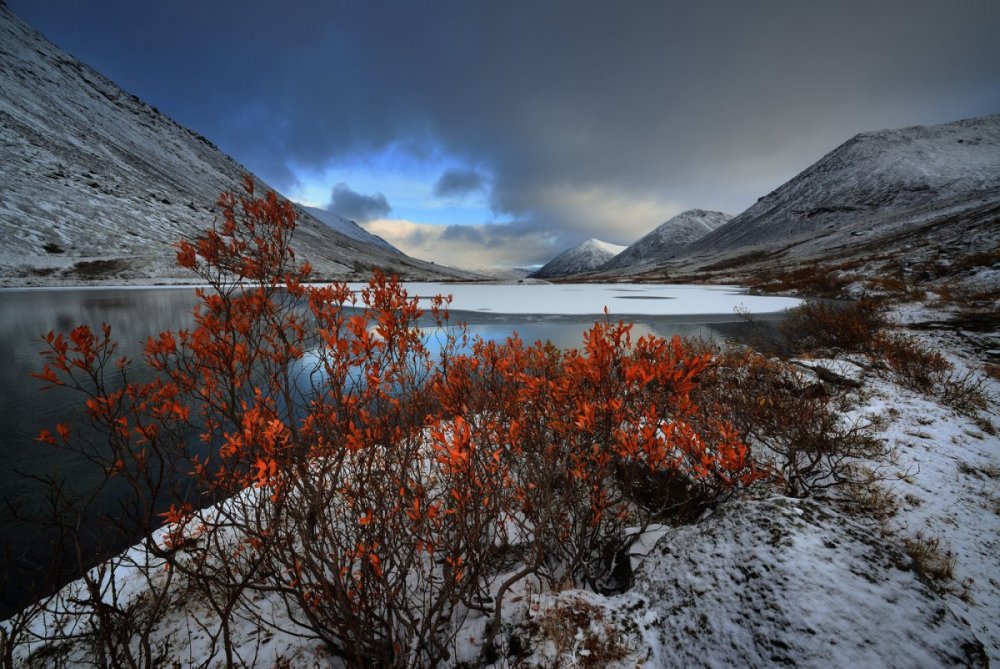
(349, 228)
(97, 185)
(668, 239)
(585, 257)
(877, 191)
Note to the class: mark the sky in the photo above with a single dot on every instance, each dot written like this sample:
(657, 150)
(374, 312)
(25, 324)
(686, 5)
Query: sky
(488, 133)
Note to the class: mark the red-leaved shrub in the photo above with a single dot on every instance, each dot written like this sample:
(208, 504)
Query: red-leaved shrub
(372, 484)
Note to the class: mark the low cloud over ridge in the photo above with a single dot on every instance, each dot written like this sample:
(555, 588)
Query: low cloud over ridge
(513, 244)
(356, 206)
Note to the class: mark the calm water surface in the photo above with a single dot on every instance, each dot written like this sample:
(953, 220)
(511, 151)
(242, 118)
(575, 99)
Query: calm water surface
(134, 314)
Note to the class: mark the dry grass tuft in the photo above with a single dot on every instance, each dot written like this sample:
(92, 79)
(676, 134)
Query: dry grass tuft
(932, 560)
(871, 499)
(579, 636)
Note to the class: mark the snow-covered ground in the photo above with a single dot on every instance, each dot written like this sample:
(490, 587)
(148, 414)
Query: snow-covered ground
(946, 480)
(782, 582)
(761, 582)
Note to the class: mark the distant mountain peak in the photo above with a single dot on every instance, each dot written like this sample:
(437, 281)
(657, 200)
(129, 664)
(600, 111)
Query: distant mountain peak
(583, 257)
(667, 239)
(594, 243)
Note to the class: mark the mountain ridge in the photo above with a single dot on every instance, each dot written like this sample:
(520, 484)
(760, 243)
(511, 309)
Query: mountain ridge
(98, 185)
(584, 257)
(667, 239)
(346, 226)
(875, 184)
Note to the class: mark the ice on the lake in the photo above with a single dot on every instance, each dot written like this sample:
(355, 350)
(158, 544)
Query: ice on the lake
(583, 299)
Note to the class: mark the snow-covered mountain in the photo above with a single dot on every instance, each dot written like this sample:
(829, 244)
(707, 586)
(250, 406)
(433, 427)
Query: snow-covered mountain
(97, 185)
(902, 190)
(667, 239)
(348, 227)
(584, 257)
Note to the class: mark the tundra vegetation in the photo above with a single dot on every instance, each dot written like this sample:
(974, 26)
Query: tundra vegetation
(315, 449)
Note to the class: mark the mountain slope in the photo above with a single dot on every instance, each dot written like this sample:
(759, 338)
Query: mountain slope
(348, 227)
(877, 187)
(97, 185)
(668, 239)
(584, 257)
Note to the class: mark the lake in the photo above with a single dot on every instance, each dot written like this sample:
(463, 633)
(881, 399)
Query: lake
(556, 312)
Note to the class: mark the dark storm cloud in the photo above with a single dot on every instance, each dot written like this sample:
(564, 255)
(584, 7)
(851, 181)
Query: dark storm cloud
(592, 118)
(457, 182)
(355, 206)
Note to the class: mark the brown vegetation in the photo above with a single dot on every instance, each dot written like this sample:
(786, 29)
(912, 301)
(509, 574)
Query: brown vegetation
(794, 424)
(815, 279)
(374, 487)
(378, 491)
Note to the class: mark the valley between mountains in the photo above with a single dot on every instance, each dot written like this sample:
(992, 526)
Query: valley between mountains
(865, 533)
